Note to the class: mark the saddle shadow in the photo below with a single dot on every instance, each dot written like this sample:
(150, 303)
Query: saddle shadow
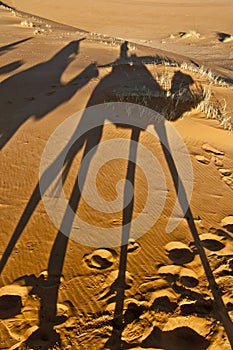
(39, 91)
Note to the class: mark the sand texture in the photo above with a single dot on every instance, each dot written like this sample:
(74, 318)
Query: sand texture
(158, 290)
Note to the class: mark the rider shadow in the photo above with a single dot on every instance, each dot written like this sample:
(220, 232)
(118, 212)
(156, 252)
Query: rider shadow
(127, 74)
(179, 100)
(39, 90)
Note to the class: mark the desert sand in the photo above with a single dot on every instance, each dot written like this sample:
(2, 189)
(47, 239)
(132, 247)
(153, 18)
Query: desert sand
(161, 290)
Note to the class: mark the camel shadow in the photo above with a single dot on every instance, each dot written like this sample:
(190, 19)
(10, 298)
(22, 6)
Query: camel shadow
(39, 90)
(126, 76)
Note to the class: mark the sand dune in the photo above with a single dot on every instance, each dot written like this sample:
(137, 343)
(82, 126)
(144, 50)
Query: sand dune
(170, 291)
(154, 23)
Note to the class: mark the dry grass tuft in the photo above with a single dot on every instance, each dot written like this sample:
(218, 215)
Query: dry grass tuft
(173, 105)
(215, 109)
(27, 24)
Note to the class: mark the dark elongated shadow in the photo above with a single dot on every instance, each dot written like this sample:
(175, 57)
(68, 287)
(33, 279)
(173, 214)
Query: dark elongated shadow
(12, 45)
(5, 5)
(120, 284)
(182, 197)
(10, 67)
(48, 289)
(77, 83)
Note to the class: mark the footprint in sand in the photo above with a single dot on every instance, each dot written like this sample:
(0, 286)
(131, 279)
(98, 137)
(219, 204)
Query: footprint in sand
(202, 159)
(188, 278)
(159, 293)
(181, 333)
(133, 246)
(152, 286)
(226, 176)
(225, 269)
(138, 330)
(225, 172)
(228, 181)
(12, 299)
(211, 149)
(100, 259)
(225, 37)
(64, 310)
(225, 284)
(217, 161)
(104, 258)
(132, 312)
(164, 300)
(172, 273)
(113, 284)
(215, 156)
(169, 272)
(200, 307)
(212, 241)
(227, 223)
(179, 253)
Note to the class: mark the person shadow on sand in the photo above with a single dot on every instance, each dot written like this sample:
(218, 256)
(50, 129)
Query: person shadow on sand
(38, 90)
